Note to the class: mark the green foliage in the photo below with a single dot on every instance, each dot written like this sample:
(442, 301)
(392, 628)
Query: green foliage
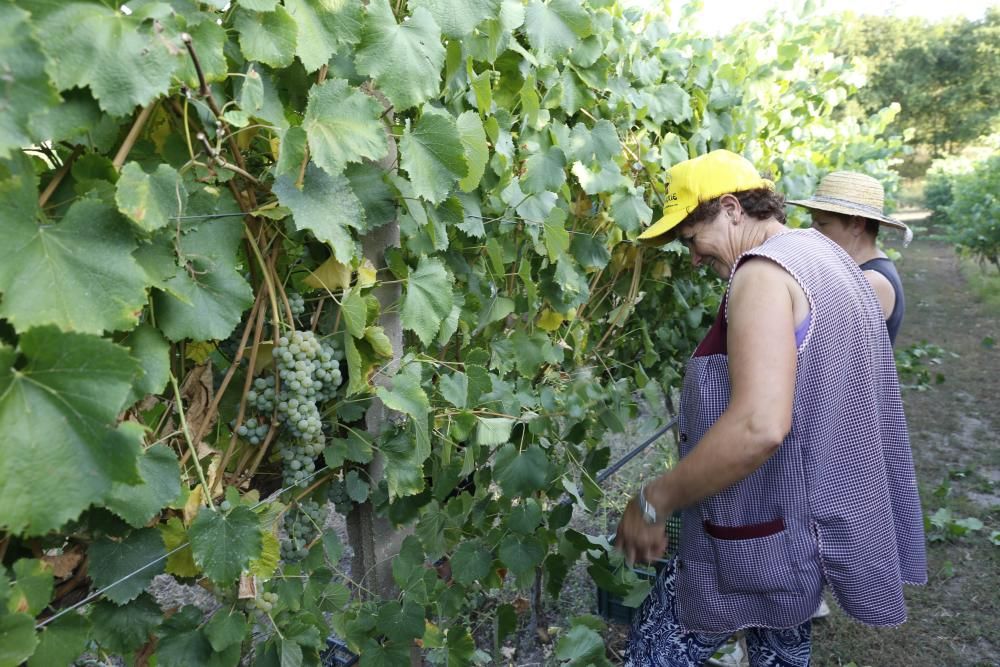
(915, 363)
(974, 211)
(184, 185)
(943, 74)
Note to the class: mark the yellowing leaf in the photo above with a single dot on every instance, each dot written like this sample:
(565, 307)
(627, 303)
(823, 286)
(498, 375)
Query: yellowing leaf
(180, 564)
(367, 274)
(550, 320)
(264, 567)
(265, 355)
(331, 275)
(199, 352)
(193, 505)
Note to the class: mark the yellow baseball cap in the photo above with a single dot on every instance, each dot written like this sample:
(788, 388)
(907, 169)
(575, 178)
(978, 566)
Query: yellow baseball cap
(699, 180)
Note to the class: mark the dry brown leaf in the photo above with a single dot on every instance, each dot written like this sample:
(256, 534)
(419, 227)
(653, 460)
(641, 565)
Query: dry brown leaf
(197, 393)
(63, 564)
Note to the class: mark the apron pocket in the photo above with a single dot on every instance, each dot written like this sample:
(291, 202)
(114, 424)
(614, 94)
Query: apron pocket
(753, 558)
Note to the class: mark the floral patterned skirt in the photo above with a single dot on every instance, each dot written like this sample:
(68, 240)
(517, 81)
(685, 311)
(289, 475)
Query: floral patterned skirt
(657, 640)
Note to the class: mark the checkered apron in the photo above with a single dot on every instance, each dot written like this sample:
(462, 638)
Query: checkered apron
(837, 503)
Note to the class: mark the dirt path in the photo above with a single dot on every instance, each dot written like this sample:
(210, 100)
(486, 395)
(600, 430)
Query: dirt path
(956, 444)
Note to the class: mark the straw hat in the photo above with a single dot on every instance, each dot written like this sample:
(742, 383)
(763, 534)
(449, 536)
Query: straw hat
(851, 193)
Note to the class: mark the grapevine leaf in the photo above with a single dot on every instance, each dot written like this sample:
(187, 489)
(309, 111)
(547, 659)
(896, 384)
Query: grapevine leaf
(477, 153)
(152, 200)
(266, 565)
(343, 126)
(388, 654)
(354, 311)
(210, 40)
(32, 586)
(355, 447)
(268, 37)
(379, 341)
(522, 554)
(526, 517)
(147, 346)
(606, 178)
(259, 5)
(59, 453)
(471, 562)
(120, 57)
(179, 563)
(357, 488)
(142, 552)
(433, 155)
(455, 388)
(323, 26)
(458, 18)
(492, 431)
(521, 473)
(206, 298)
(557, 26)
(555, 234)
(428, 299)
(406, 396)
(62, 642)
(182, 643)
(123, 629)
(401, 622)
(326, 206)
(17, 639)
(226, 628)
(581, 645)
(405, 60)
(161, 484)
(374, 193)
(27, 88)
(405, 453)
(357, 377)
(77, 274)
(224, 544)
(667, 102)
(629, 210)
(544, 171)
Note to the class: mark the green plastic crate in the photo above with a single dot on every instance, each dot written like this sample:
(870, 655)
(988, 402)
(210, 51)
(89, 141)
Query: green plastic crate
(610, 607)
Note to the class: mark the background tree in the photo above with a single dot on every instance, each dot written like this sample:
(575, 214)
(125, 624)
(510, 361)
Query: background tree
(945, 76)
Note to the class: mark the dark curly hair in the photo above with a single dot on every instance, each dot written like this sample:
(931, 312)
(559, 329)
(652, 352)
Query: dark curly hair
(759, 203)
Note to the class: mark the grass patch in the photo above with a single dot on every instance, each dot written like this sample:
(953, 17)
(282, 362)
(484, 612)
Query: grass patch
(984, 284)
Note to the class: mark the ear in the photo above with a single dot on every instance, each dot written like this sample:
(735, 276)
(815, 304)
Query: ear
(731, 207)
(856, 225)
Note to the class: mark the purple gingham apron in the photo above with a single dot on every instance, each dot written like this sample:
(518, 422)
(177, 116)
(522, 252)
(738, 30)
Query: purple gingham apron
(837, 503)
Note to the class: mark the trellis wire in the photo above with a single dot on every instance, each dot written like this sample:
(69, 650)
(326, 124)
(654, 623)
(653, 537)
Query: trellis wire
(608, 472)
(98, 593)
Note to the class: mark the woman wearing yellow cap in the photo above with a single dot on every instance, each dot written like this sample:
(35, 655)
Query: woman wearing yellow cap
(795, 469)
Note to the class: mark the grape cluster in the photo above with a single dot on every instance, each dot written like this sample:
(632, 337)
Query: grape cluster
(310, 374)
(261, 395)
(336, 493)
(297, 303)
(263, 603)
(302, 526)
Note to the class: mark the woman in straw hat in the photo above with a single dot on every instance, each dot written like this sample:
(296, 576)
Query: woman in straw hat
(795, 469)
(848, 207)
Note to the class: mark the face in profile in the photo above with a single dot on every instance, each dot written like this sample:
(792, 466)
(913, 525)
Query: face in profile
(831, 226)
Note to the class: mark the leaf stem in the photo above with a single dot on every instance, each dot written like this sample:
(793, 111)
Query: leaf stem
(132, 136)
(187, 438)
(57, 179)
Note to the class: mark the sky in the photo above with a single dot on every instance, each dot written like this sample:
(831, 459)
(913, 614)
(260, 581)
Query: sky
(719, 16)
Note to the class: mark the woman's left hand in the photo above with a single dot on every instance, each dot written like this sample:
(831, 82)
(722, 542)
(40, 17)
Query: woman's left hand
(638, 540)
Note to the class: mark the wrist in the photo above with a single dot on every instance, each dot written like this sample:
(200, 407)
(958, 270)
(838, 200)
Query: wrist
(657, 494)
